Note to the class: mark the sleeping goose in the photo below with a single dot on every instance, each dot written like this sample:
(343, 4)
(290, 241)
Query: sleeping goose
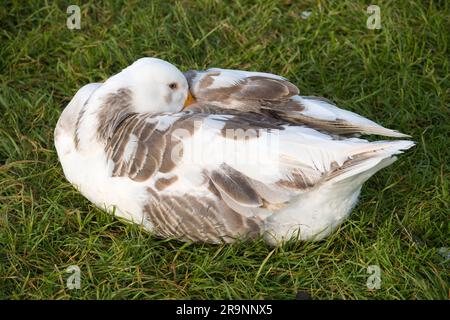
(275, 96)
(128, 147)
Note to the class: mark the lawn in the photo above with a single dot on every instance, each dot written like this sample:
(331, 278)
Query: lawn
(397, 75)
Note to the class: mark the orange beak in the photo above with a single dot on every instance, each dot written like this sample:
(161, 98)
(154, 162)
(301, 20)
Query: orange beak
(189, 100)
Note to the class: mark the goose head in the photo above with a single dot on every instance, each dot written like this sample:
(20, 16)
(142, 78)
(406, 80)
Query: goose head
(149, 85)
(154, 86)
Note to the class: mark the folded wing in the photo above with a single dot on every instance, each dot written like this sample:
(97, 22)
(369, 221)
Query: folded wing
(275, 96)
(215, 177)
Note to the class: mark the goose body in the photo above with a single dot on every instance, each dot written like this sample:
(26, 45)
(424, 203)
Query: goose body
(199, 175)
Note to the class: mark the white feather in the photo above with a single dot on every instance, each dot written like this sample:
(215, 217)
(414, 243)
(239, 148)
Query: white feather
(229, 77)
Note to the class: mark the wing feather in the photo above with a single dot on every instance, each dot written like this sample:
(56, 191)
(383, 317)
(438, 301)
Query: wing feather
(274, 95)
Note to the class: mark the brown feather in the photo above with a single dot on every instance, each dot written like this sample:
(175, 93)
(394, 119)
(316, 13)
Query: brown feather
(235, 185)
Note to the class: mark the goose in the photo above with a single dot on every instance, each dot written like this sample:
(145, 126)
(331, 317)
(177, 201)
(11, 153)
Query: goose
(132, 147)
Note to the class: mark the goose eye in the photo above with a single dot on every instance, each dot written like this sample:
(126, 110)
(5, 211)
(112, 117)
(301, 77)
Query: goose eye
(173, 85)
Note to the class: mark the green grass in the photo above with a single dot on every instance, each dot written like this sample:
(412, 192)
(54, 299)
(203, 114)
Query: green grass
(397, 76)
